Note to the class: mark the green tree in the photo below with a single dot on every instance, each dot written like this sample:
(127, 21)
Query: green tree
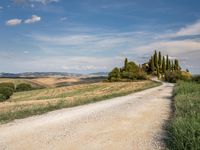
(23, 87)
(155, 59)
(152, 64)
(167, 63)
(172, 65)
(163, 65)
(126, 64)
(176, 65)
(159, 59)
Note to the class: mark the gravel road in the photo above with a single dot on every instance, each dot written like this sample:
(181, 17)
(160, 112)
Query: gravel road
(124, 123)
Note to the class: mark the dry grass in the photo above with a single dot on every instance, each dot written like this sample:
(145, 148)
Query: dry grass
(54, 98)
(53, 81)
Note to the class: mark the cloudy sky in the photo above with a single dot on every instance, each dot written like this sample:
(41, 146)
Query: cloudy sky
(84, 36)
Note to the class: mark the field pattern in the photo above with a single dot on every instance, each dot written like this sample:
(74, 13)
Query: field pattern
(23, 104)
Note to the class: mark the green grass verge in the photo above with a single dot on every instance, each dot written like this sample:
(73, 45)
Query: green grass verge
(184, 128)
(37, 110)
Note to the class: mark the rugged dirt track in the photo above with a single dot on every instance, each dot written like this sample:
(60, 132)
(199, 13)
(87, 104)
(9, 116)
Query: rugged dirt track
(130, 122)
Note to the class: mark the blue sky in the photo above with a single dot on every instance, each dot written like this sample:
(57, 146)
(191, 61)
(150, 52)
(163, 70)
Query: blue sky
(84, 36)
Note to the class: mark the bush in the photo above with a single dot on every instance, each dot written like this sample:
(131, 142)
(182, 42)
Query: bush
(5, 93)
(114, 75)
(141, 75)
(23, 87)
(174, 76)
(7, 84)
(196, 78)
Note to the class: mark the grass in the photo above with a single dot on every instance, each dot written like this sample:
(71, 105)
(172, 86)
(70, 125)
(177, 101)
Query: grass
(184, 128)
(25, 104)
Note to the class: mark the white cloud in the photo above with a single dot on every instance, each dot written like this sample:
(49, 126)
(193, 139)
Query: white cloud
(188, 30)
(44, 1)
(26, 52)
(63, 18)
(14, 22)
(193, 29)
(1, 7)
(33, 19)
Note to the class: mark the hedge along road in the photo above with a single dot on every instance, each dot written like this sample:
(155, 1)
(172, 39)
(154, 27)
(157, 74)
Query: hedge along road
(130, 122)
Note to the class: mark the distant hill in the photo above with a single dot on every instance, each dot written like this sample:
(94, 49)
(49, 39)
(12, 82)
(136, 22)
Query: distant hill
(46, 74)
(38, 74)
(99, 74)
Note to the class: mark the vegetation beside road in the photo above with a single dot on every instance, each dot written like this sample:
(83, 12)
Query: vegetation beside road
(184, 128)
(163, 67)
(24, 104)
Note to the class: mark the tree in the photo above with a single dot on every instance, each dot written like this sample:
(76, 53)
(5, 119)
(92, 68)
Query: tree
(172, 65)
(176, 65)
(159, 60)
(23, 87)
(126, 64)
(167, 63)
(163, 65)
(152, 64)
(158, 73)
(155, 59)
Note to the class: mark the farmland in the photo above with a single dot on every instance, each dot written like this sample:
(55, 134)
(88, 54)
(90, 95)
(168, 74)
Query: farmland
(24, 104)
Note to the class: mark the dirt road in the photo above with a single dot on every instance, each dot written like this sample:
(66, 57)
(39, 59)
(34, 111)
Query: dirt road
(124, 123)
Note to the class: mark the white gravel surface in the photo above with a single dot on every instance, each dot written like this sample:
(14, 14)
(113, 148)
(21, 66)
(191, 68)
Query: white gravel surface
(132, 122)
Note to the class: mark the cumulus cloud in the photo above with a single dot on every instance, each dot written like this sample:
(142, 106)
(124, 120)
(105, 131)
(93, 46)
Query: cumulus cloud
(14, 22)
(33, 19)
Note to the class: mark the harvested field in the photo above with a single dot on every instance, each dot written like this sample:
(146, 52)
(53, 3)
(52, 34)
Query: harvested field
(23, 104)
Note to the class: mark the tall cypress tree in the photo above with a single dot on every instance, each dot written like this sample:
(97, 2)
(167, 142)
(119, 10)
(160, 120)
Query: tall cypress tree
(155, 59)
(159, 59)
(152, 64)
(176, 65)
(167, 63)
(163, 65)
(172, 65)
(126, 64)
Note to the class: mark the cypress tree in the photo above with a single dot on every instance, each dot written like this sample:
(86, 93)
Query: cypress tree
(126, 64)
(163, 65)
(172, 65)
(158, 74)
(176, 66)
(152, 64)
(167, 63)
(155, 59)
(159, 59)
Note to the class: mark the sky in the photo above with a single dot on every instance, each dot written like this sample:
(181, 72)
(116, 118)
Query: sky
(86, 36)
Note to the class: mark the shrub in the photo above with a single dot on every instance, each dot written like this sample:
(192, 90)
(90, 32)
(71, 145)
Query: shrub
(7, 84)
(174, 76)
(5, 93)
(23, 87)
(186, 76)
(114, 75)
(141, 75)
(196, 78)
